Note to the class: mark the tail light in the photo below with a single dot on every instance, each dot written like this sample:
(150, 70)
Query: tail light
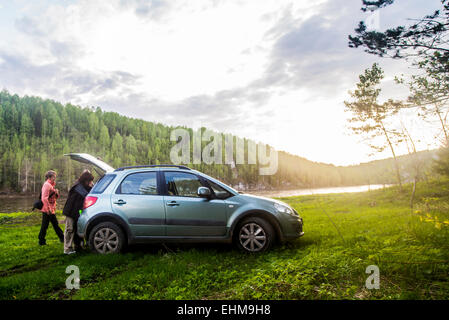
(89, 201)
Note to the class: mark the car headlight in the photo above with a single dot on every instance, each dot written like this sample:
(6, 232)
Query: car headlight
(284, 209)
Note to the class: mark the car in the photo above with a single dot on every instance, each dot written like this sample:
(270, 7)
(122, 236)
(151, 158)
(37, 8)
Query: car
(174, 203)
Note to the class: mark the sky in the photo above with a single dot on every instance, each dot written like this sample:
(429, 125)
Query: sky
(274, 71)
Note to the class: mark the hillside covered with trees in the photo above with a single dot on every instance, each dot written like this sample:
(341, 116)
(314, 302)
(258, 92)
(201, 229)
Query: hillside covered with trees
(35, 134)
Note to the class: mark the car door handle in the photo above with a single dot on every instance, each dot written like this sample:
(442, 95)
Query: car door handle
(172, 204)
(120, 201)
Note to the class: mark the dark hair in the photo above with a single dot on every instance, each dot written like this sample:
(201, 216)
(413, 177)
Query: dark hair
(85, 178)
(49, 174)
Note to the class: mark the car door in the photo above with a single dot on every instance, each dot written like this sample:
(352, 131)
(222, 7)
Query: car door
(138, 199)
(187, 214)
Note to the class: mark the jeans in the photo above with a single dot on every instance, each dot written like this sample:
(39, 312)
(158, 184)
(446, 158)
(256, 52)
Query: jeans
(46, 219)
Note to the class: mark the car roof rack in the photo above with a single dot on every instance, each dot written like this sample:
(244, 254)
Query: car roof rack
(153, 166)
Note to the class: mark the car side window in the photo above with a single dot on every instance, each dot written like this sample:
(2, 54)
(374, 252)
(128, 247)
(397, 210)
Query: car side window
(220, 193)
(182, 184)
(142, 183)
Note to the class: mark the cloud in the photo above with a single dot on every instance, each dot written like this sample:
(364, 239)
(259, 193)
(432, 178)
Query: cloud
(313, 54)
(65, 49)
(148, 9)
(219, 111)
(59, 80)
(308, 52)
(29, 26)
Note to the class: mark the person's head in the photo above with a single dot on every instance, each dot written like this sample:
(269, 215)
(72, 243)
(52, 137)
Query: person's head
(50, 175)
(86, 178)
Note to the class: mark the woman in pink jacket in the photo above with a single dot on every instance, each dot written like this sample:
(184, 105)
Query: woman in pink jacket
(49, 196)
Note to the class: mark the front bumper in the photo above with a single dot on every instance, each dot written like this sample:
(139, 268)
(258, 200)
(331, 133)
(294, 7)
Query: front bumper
(292, 228)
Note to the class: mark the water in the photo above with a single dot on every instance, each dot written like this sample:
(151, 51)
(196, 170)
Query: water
(311, 191)
(17, 203)
(23, 203)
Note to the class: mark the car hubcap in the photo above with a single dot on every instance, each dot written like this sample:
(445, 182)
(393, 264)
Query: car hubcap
(252, 237)
(106, 240)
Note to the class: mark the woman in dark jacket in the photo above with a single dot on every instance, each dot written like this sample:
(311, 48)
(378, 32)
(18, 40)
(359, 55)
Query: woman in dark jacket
(72, 207)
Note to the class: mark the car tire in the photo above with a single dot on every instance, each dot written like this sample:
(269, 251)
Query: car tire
(254, 235)
(106, 237)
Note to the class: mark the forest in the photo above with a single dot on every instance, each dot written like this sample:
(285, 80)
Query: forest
(35, 134)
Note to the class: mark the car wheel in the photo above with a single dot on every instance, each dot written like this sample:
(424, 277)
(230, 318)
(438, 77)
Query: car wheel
(106, 237)
(254, 235)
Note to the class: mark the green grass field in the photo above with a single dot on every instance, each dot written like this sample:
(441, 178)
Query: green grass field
(345, 233)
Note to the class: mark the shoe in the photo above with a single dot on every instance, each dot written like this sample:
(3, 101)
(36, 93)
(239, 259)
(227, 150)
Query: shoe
(70, 252)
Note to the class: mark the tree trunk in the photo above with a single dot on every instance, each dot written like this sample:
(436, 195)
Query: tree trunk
(413, 194)
(26, 175)
(416, 162)
(398, 175)
(443, 126)
(18, 177)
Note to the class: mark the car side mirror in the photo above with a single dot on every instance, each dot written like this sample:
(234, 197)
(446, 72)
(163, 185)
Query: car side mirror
(204, 192)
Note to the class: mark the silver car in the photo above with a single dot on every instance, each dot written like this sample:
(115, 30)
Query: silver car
(162, 203)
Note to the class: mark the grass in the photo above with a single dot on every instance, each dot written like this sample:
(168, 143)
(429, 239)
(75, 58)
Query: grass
(345, 233)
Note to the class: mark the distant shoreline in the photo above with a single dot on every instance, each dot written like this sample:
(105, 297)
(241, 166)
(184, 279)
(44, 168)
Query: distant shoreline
(11, 194)
(323, 190)
(23, 202)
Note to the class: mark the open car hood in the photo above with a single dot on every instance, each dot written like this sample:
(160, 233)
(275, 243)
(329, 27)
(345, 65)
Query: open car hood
(89, 159)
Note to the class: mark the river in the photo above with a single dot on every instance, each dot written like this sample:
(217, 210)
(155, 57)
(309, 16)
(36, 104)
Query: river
(311, 191)
(17, 203)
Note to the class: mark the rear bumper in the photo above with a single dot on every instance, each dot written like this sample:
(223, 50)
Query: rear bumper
(81, 225)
